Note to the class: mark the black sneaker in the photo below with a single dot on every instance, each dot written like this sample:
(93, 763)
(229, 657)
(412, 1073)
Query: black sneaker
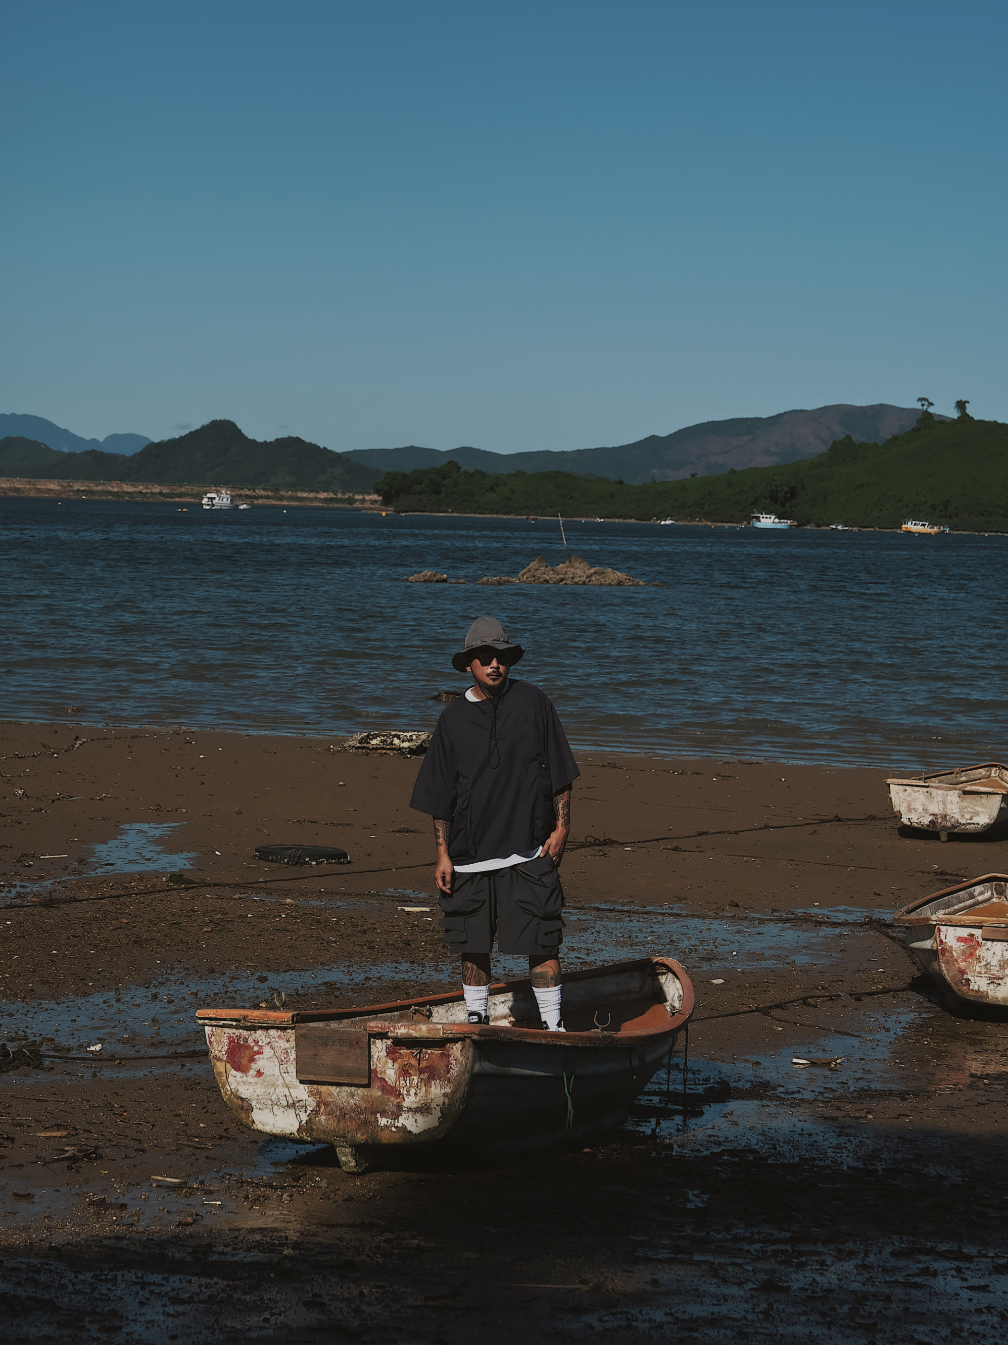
(559, 1027)
(481, 1018)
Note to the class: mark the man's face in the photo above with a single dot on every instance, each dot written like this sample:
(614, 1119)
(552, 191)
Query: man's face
(489, 670)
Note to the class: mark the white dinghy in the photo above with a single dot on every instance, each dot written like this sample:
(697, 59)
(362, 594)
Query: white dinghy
(960, 938)
(967, 800)
(417, 1072)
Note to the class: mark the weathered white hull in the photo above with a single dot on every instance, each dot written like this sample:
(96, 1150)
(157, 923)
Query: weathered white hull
(960, 939)
(970, 799)
(417, 1072)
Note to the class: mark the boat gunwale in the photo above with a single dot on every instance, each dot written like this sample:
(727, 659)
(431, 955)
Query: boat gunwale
(905, 916)
(252, 1019)
(946, 777)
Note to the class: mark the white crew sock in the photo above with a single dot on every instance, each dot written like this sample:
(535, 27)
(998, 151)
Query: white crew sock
(548, 1000)
(477, 998)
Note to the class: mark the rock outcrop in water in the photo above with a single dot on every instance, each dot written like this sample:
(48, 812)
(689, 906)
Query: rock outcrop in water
(573, 571)
(427, 577)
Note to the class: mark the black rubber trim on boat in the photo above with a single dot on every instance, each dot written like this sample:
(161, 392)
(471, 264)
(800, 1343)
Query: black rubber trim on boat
(301, 854)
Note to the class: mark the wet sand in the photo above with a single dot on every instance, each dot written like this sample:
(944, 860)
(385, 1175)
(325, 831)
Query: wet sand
(868, 1199)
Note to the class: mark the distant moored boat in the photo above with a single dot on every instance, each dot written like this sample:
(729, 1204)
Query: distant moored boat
(916, 525)
(218, 499)
(772, 521)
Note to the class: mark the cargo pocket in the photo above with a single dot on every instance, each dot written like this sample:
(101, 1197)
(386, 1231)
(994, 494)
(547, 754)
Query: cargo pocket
(541, 897)
(463, 903)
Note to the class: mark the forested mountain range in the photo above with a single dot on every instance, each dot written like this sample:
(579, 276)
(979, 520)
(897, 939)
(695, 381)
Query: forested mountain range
(706, 449)
(217, 452)
(711, 447)
(953, 473)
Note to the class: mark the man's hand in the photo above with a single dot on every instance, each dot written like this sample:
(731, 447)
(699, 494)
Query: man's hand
(558, 840)
(555, 844)
(444, 872)
(444, 869)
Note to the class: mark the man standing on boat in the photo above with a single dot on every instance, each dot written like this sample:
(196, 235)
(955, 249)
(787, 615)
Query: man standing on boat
(497, 781)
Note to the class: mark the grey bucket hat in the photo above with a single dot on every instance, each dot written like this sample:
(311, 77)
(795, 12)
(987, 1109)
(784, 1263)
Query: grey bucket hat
(486, 632)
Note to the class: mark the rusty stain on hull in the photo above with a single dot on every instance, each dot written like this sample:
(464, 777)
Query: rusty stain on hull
(969, 799)
(501, 1086)
(413, 1094)
(960, 938)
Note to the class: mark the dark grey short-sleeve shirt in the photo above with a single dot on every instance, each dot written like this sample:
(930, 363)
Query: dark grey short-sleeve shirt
(496, 810)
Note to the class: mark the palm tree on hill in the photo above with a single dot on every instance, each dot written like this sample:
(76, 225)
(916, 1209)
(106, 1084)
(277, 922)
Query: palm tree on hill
(961, 411)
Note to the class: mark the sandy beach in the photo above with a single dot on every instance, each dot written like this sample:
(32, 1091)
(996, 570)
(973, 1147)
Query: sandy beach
(776, 1201)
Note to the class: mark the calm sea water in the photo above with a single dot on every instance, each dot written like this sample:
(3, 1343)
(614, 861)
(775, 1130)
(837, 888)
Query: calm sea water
(847, 648)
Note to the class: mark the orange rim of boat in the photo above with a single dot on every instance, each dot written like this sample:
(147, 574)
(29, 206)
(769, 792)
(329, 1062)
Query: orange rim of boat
(422, 1029)
(906, 916)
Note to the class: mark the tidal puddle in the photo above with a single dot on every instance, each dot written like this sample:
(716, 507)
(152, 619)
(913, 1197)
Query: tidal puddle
(138, 847)
(157, 1020)
(752, 1095)
(595, 934)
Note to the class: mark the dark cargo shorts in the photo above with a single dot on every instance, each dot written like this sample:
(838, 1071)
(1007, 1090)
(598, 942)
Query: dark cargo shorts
(521, 905)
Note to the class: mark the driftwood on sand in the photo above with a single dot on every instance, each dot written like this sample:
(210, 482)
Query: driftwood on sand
(573, 571)
(408, 743)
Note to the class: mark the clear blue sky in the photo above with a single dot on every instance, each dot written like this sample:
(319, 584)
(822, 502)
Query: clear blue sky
(514, 225)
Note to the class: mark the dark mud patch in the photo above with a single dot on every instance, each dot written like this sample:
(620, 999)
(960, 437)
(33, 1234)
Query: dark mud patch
(634, 1242)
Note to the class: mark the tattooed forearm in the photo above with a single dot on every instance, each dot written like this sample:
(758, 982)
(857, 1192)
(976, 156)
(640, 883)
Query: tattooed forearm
(561, 803)
(442, 831)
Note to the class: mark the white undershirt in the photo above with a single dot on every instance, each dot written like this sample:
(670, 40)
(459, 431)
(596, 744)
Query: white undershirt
(485, 865)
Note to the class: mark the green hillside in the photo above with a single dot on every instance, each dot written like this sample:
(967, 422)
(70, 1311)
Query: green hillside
(949, 472)
(27, 457)
(217, 452)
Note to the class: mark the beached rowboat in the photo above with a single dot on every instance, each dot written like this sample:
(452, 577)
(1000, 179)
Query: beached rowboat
(960, 938)
(418, 1072)
(969, 799)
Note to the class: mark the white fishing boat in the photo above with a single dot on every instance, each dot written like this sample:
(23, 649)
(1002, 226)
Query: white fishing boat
(218, 499)
(966, 800)
(664, 522)
(772, 521)
(417, 1072)
(917, 525)
(960, 938)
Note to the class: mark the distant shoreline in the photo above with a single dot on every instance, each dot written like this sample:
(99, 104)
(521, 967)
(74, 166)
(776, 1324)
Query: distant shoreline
(13, 487)
(144, 492)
